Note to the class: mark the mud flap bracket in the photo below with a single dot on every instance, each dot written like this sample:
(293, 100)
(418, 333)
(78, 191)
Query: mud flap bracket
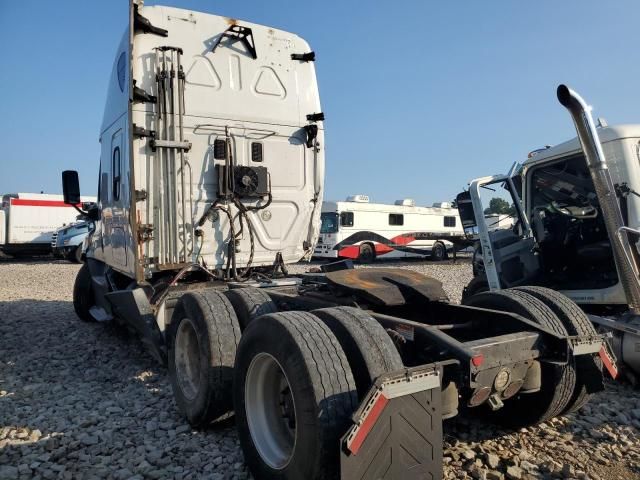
(133, 306)
(397, 431)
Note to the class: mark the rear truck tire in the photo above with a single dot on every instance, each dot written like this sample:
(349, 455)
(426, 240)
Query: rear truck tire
(202, 339)
(83, 294)
(76, 255)
(369, 349)
(577, 323)
(558, 381)
(438, 252)
(250, 303)
(293, 396)
(477, 284)
(367, 253)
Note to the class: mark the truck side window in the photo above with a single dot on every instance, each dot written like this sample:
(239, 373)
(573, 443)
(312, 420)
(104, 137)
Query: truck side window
(449, 221)
(396, 219)
(346, 219)
(116, 173)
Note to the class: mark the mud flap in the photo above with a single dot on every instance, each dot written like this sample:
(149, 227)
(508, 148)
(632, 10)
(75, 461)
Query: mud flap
(397, 431)
(584, 345)
(133, 307)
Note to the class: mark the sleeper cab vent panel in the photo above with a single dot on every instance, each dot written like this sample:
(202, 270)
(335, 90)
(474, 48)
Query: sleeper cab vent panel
(256, 152)
(219, 149)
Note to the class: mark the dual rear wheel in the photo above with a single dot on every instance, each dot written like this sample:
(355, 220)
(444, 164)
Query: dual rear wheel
(564, 388)
(292, 378)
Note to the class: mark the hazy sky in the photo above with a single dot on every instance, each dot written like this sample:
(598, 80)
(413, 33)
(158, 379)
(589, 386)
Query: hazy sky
(419, 96)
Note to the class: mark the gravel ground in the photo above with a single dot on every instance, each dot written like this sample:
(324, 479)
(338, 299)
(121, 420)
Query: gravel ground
(80, 400)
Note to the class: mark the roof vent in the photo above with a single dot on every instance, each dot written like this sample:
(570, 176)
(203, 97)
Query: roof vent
(358, 198)
(442, 205)
(406, 202)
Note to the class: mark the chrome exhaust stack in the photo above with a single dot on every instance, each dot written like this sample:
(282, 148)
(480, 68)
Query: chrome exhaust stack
(622, 250)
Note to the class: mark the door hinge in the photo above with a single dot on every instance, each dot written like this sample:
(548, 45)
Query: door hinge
(140, 96)
(141, 195)
(315, 117)
(140, 132)
(304, 57)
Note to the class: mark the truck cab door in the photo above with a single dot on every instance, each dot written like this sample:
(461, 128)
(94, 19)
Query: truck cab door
(509, 256)
(119, 195)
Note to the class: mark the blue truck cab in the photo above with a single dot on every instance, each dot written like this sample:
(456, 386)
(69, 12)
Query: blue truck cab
(68, 240)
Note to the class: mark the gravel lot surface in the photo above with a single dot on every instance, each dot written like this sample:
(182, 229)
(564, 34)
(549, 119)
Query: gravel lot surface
(81, 400)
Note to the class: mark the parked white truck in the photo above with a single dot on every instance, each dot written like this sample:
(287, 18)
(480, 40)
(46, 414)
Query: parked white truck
(364, 231)
(29, 220)
(211, 181)
(577, 226)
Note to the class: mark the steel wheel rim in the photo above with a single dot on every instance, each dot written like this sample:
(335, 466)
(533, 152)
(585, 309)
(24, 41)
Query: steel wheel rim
(270, 411)
(187, 359)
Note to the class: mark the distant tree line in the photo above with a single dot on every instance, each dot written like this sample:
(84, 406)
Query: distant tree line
(500, 206)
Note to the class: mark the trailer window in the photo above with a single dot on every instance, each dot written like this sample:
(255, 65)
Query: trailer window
(329, 222)
(116, 173)
(449, 221)
(346, 219)
(396, 219)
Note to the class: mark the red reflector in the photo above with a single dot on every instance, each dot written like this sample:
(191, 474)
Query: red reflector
(477, 360)
(611, 366)
(368, 423)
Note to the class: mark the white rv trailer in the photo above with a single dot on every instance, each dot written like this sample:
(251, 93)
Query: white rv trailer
(28, 221)
(361, 230)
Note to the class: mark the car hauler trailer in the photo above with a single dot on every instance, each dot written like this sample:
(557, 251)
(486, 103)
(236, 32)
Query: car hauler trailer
(364, 231)
(29, 220)
(577, 229)
(211, 179)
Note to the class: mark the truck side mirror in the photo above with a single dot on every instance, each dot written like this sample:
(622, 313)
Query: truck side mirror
(70, 187)
(465, 210)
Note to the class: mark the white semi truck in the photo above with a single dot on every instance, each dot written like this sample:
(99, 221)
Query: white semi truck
(211, 182)
(577, 226)
(29, 220)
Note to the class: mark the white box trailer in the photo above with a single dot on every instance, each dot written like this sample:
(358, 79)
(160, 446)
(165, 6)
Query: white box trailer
(357, 229)
(28, 221)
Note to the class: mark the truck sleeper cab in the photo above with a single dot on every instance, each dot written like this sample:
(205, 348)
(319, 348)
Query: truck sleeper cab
(210, 182)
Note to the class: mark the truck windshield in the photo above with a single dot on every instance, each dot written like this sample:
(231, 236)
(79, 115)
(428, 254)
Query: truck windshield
(329, 222)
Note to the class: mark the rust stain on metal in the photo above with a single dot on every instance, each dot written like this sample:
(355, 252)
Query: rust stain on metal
(387, 286)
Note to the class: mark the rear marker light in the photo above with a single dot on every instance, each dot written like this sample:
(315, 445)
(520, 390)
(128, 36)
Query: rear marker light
(609, 363)
(477, 360)
(367, 423)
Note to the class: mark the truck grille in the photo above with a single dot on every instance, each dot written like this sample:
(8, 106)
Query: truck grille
(54, 237)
